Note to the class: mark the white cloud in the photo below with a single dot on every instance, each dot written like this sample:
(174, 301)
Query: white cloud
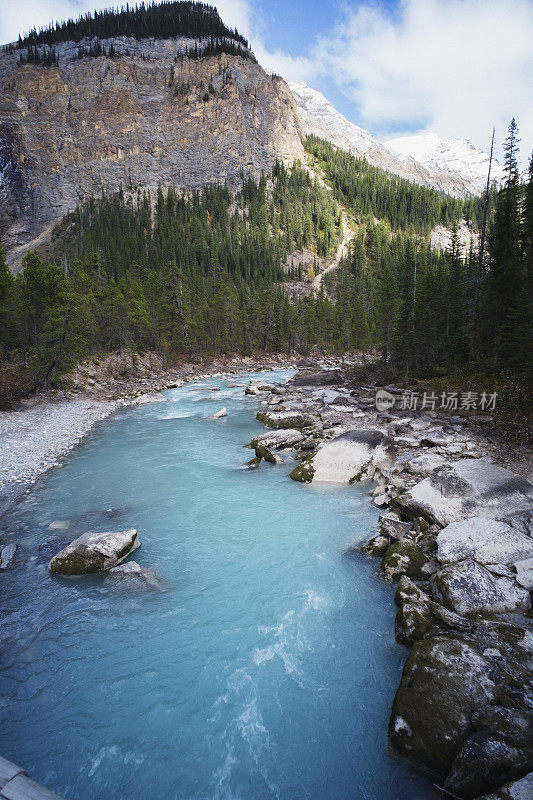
(457, 67)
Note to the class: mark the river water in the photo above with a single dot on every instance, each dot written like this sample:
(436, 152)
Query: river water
(264, 668)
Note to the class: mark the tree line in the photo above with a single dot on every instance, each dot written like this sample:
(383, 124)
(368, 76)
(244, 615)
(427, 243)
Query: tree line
(166, 20)
(200, 272)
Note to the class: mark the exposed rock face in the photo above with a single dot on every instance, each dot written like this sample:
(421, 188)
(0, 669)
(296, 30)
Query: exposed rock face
(285, 419)
(144, 119)
(346, 457)
(279, 439)
(95, 552)
(468, 488)
(443, 682)
(485, 540)
(468, 587)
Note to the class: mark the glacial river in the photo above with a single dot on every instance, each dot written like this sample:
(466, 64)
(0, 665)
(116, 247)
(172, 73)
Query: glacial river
(264, 668)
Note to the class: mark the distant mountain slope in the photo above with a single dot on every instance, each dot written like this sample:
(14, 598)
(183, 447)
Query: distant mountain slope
(447, 157)
(452, 165)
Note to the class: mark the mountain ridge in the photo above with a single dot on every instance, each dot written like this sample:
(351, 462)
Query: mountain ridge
(451, 165)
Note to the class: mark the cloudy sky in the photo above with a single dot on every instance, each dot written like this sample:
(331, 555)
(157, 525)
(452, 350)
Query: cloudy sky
(456, 67)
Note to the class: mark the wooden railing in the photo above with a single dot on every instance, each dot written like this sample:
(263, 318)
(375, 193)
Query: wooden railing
(16, 785)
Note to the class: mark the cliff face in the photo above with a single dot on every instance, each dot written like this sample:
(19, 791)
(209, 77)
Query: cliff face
(141, 119)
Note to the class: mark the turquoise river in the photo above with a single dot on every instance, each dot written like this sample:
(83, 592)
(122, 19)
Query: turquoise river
(265, 666)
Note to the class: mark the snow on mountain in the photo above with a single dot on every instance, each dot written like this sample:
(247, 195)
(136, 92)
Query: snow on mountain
(447, 157)
(450, 165)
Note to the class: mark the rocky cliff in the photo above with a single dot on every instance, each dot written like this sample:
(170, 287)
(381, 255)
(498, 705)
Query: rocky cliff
(146, 117)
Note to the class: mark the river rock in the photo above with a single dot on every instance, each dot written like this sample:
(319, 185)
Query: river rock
(485, 762)
(443, 681)
(405, 558)
(7, 556)
(424, 464)
(413, 620)
(377, 546)
(323, 378)
(395, 528)
(267, 455)
(95, 552)
(279, 439)
(466, 587)
(467, 488)
(132, 573)
(150, 397)
(219, 414)
(484, 540)
(345, 458)
(285, 419)
(524, 573)
(517, 790)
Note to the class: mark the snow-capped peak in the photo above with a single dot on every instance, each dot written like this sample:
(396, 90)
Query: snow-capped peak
(451, 156)
(451, 165)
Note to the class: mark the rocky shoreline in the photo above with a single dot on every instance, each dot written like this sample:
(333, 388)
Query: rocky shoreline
(455, 537)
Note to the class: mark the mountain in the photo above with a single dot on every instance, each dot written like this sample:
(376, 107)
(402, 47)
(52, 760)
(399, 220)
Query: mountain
(82, 118)
(447, 157)
(451, 165)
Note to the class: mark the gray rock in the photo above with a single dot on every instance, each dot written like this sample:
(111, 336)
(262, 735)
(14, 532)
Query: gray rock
(285, 419)
(425, 463)
(485, 762)
(517, 790)
(279, 439)
(466, 587)
(514, 725)
(95, 552)
(444, 680)
(323, 378)
(7, 556)
(131, 573)
(394, 528)
(345, 458)
(377, 546)
(468, 488)
(524, 573)
(219, 414)
(485, 540)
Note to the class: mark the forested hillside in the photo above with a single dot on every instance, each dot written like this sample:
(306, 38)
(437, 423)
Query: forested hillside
(197, 273)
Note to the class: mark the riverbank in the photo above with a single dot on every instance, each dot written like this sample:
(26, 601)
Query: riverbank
(43, 428)
(455, 539)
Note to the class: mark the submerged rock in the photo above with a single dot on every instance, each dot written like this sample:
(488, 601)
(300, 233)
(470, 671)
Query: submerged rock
(7, 556)
(467, 587)
(444, 680)
(95, 552)
(132, 573)
(467, 488)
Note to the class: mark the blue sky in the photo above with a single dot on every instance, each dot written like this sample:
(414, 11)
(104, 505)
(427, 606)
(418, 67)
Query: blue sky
(456, 67)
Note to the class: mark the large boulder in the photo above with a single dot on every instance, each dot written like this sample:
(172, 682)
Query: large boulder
(285, 419)
(322, 378)
(443, 681)
(468, 488)
(484, 540)
(485, 762)
(467, 587)
(95, 552)
(345, 458)
(524, 573)
(278, 439)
